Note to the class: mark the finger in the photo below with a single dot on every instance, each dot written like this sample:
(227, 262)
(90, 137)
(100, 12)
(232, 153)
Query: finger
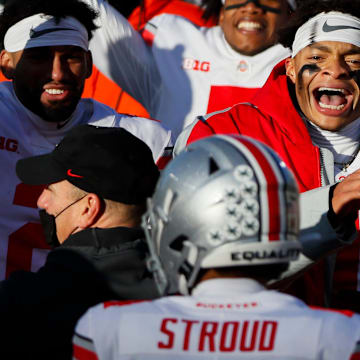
(350, 184)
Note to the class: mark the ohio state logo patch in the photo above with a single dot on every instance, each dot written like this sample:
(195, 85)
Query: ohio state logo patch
(243, 66)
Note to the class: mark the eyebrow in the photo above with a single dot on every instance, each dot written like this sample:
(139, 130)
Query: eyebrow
(49, 187)
(325, 48)
(320, 47)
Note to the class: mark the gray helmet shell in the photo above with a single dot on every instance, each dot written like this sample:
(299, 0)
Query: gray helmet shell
(224, 201)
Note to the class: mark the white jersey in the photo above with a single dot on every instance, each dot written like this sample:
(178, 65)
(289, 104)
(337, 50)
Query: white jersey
(223, 319)
(23, 134)
(182, 71)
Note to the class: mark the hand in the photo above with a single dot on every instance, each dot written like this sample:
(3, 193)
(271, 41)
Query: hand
(346, 196)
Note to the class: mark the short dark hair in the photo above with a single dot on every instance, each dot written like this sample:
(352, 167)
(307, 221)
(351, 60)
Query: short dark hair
(307, 9)
(126, 7)
(263, 272)
(211, 9)
(17, 10)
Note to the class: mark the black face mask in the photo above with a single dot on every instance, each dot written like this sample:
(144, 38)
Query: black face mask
(49, 225)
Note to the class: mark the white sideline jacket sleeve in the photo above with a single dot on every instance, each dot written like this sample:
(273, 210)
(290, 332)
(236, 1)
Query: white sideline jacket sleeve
(89, 332)
(157, 137)
(121, 54)
(317, 236)
(83, 339)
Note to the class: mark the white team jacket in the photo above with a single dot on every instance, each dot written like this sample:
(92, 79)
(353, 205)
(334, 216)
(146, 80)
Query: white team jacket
(23, 134)
(223, 319)
(186, 71)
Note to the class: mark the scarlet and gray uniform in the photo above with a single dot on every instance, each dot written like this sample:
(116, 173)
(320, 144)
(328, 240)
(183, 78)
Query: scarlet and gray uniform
(223, 319)
(23, 134)
(335, 281)
(180, 70)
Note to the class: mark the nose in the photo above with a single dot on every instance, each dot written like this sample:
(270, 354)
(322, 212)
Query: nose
(338, 69)
(42, 201)
(250, 7)
(59, 68)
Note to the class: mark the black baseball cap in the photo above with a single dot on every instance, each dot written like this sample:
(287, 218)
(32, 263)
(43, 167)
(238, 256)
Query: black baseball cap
(110, 162)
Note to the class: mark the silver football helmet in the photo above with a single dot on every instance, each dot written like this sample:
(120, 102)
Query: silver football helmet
(224, 201)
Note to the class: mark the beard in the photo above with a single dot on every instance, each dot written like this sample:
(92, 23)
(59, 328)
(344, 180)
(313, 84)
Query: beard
(58, 112)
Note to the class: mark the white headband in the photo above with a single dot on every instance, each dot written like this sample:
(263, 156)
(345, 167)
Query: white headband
(42, 30)
(292, 3)
(331, 26)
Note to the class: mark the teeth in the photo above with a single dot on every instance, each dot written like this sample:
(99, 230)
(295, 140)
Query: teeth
(331, 89)
(248, 25)
(332, 107)
(54, 91)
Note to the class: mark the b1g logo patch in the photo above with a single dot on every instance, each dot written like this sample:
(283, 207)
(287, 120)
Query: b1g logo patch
(196, 65)
(8, 144)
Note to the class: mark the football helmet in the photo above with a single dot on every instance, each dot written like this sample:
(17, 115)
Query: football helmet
(226, 200)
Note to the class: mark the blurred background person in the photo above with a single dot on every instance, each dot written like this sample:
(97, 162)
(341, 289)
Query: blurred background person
(178, 70)
(138, 13)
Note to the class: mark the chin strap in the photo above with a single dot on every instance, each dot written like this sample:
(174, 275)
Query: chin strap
(257, 3)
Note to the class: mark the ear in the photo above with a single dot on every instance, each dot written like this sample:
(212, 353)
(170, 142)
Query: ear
(89, 63)
(7, 64)
(90, 211)
(221, 16)
(290, 69)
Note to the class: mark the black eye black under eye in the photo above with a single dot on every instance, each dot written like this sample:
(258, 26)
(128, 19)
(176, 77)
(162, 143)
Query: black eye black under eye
(312, 68)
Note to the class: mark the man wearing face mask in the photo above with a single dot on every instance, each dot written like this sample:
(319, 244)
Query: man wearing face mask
(97, 180)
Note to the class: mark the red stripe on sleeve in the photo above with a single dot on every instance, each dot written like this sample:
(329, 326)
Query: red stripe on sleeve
(355, 356)
(148, 37)
(121, 303)
(79, 353)
(347, 313)
(163, 161)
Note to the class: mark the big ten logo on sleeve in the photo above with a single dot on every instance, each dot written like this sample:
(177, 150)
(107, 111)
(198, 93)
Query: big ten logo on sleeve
(196, 65)
(217, 336)
(26, 245)
(8, 144)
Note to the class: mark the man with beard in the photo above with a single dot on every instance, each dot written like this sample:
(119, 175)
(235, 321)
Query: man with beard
(309, 112)
(47, 58)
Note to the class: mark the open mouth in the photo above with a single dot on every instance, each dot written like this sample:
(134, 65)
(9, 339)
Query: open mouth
(333, 98)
